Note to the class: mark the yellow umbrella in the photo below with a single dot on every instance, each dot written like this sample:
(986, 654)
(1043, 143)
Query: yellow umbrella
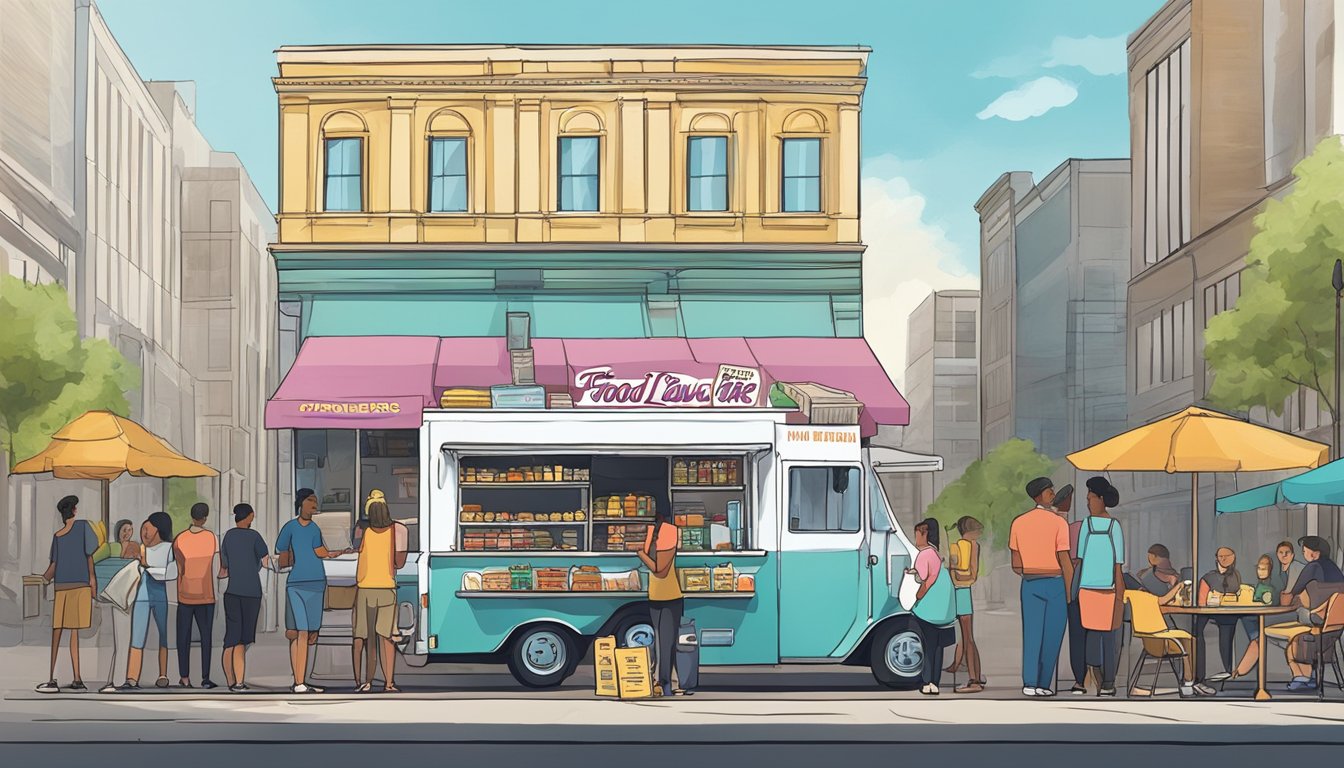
(1198, 440)
(101, 445)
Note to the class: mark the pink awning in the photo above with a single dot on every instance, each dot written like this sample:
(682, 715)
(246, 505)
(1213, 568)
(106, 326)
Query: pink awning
(386, 381)
(357, 382)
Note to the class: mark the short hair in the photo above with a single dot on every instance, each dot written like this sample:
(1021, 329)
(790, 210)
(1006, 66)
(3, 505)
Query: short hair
(1284, 543)
(967, 524)
(379, 515)
(241, 512)
(301, 496)
(1315, 544)
(199, 511)
(163, 524)
(1063, 495)
(1038, 486)
(1160, 550)
(66, 506)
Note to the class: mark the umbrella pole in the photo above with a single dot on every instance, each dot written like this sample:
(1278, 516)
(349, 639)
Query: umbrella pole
(107, 506)
(1194, 523)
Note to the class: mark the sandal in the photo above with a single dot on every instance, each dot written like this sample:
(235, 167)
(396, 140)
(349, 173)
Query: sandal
(391, 689)
(365, 688)
(162, 682)
(971, 687)
(51, 686)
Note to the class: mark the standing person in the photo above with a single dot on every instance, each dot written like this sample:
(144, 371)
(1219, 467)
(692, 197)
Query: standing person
(935, 604)
(380, 557)
(241, 558)
(1063, 504)
(659, 555)
(125, 546)
(1039, 542)
(195, 550)
(300, 546)
(151, 601)
(72, 571)
(1101, 582)
(964, 564)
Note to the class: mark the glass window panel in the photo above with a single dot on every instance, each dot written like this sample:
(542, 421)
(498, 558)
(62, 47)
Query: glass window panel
(824, 499)
(325, 461)
(448, 175)
(1150, 172)
(707, 173)
(802, 175)
(344, 170)
(578, 187)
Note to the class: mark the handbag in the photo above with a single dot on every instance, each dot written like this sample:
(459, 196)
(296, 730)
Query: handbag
(908, 592)
(120, 590)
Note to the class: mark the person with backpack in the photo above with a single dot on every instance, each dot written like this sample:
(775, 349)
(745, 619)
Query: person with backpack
(1101, 556)
(964, 564)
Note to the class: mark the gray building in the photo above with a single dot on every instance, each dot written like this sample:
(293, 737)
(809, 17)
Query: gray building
(1225, 98)
(942, 387)
(1053, 265)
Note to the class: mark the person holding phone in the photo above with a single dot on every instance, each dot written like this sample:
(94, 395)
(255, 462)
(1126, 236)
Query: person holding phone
(659, 555)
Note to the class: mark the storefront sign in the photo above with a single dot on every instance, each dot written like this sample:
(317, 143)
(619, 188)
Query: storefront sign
(807, 442)
(733, 387)
(354, 413)
(364, 407)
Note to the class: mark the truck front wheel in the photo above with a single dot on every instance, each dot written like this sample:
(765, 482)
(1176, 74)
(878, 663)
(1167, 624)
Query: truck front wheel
(897, 655)
(542, 656)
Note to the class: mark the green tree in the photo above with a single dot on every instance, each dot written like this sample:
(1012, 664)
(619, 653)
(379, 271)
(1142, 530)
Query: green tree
(182, 494)
(993, 489)
(1281, 335)
(48, 374)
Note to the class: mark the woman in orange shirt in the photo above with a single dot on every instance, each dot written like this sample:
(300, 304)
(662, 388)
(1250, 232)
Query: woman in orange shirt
(665, 599)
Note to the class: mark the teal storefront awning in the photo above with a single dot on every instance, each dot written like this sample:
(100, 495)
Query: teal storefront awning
(1323, 485)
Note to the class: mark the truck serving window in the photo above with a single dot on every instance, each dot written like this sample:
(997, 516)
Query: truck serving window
(824, 499)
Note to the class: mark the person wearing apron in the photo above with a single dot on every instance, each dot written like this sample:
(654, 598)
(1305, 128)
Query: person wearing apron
(935, 604)
(1101, 550)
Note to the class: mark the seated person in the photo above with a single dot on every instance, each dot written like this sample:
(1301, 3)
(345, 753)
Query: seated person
(1299, 644)
(1223, 580)
(1265, 593)
(1159, 578)
(1316, 551)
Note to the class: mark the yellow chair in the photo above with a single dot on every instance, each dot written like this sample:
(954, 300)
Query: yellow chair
(1159, 641)
(1327, 634)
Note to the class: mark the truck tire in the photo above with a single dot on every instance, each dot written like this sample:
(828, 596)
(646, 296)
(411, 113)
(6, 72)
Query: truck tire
(543, 655)
(897, 654)
(634, 630)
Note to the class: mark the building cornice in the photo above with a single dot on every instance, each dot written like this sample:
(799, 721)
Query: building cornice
(847, 85)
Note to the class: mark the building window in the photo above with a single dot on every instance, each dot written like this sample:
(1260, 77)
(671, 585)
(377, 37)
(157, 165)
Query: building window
(345, 175)
(578, 173)
(1165, 347)
(1167, 156)
(824, 499)
(1221, 296)
(447, 175)
(802, 176)
(707, 173)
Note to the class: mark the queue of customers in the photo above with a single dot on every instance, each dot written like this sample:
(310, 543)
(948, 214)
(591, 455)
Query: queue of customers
(195, 559)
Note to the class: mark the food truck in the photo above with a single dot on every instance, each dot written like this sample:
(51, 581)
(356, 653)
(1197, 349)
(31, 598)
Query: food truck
(531, 522)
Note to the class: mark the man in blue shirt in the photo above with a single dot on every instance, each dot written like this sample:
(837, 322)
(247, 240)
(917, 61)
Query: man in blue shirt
(71, 569)
(300, 547)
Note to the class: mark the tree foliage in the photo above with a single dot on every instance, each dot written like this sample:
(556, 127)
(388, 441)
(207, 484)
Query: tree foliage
(1281, 334)
(48, 374)
(993, 489)
(182, 494)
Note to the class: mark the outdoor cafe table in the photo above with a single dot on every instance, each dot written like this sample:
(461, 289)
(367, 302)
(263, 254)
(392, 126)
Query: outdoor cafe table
(1236, 610)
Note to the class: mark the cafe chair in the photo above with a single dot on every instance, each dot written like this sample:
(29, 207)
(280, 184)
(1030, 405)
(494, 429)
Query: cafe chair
(1325, 633)
(1159, 642)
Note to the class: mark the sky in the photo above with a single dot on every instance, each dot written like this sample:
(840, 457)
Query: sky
(959, 92)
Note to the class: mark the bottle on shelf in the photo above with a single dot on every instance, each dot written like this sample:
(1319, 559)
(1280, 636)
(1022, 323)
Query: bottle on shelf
(679, 476)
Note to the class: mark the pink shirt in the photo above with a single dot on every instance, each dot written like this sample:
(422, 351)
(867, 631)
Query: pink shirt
(927, 565)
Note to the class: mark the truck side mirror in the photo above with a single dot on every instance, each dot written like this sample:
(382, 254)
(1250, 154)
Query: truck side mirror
(839, 479)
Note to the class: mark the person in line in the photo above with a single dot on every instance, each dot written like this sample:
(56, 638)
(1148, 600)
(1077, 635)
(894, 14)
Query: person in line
(1101, 547)
(964, 564)
(1063, 504)
(300, 547)
(195, 550)
(1039, 543)
(1286, 568)
(151, 600)
(666, 603)
(125, 545)
(71, 569)
(935, 604)
(1266, 592)
(1225, 581)
(380, 557)
(241, 557)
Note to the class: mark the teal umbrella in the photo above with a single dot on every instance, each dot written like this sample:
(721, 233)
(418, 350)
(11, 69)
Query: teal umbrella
(1323, 485)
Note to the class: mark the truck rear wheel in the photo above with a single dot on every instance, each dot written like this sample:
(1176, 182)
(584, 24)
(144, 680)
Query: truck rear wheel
(543, 655)
(634, 630)
(897, 655)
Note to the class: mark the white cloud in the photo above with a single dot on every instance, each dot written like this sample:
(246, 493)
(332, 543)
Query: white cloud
(1097, 55)
(1031, 99)
(1100, 56)
(907, 258)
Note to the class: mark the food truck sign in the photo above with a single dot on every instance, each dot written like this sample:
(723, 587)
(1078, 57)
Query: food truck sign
(733, 387)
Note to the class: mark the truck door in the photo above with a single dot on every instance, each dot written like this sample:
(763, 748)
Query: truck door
(888, 553)
(823, 579)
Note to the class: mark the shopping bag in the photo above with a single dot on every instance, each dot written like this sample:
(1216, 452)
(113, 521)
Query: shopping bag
(909, 591)
(120, 590)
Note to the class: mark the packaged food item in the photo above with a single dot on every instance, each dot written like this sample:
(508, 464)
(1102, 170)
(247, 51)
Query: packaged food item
(526, 517)
(486, 475)
(734, 471)
(694, 579)
(614, 506)
(703, 473)
(471, 581)
(548, 475)
(585, 578)
(557, 473)
(515, 476)
(552, 579)
(723, 577)
(720, 471)
(622, 581)
(642, 506)
(693, 539)
(520, 577)
(567, 474)
(468, 475)
(604, 667)
(695, 520)
(496, 580)
(631, 505)
(746, 582)
(679, 472)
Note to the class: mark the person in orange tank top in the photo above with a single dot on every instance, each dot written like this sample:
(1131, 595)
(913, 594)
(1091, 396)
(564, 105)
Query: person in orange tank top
(381, 555)
(659, 555)
(195, 550)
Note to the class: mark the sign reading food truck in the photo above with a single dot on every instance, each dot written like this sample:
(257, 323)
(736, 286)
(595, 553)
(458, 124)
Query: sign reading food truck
(733, 387)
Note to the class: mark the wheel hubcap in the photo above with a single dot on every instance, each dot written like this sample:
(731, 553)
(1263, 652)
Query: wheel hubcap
(905, 654)
(544, 653)
(639, 636)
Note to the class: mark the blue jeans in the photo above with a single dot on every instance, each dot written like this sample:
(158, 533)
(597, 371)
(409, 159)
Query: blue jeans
(1044, 618)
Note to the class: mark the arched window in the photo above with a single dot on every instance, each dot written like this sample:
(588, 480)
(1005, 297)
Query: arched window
(579, 162)
(707, 162)
(800, 162)
(343, 136)
(449, 149)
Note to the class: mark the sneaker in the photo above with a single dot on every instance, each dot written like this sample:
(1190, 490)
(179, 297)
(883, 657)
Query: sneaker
(1302, 684)
(1204, 690)
(48, 687)
(162, 682)
(1107, 692)
(239, 688)
(129, 685)
(316, 689)
(207, 684)
(1031, 692)
(301, 688)
(1187, 691)
(1078, 689)
(78, 685)
(1221, 677)
(1045, 693)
